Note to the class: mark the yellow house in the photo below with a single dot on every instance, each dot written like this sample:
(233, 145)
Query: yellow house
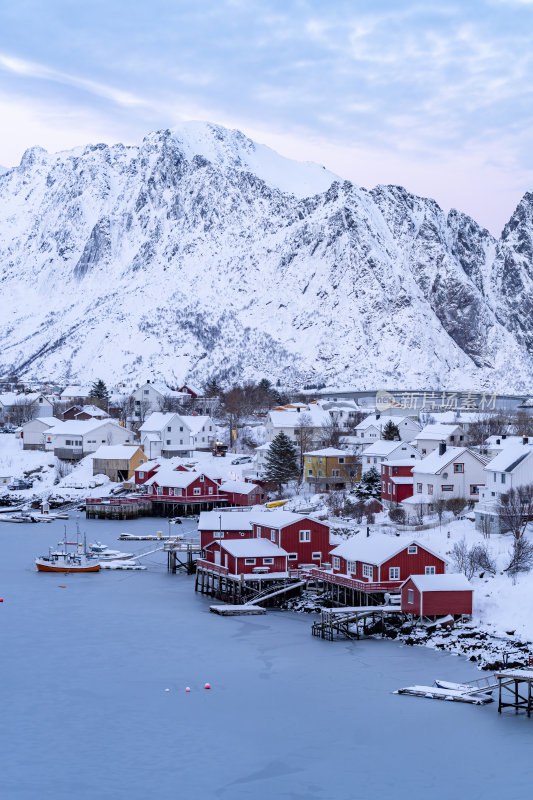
(118, 461)
(331, 468)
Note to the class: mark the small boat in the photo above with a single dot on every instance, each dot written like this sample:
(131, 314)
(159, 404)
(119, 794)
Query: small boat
(66, 560)
(103, 553)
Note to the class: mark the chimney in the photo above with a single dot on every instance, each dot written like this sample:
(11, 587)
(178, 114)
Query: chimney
(497, 441)
(525, 440)
(147, 381)
(442, 448)
(378, 416)
(504, 436)
(298, 409)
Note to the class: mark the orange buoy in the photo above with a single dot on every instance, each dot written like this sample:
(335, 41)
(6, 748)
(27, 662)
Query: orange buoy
(1, 599)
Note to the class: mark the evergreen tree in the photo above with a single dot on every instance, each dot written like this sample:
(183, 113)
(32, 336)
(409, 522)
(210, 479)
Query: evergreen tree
(281, 460)
(99, 391)
(370, 485)
(212, 389)
(391, 432)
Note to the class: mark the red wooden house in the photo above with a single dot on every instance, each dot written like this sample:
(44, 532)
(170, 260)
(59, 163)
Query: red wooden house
(224, 525)
(396, 480)
(305, 539)
(382, 562)
(437, 595)
(247, 556)
(175, 485)
(145, 472)
(243, 493)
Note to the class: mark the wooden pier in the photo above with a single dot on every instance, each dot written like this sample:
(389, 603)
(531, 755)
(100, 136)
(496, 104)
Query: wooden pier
(514, 690)
(182, 554)
(117, 508)
(216, 581)
(352, 622)
(237, 611)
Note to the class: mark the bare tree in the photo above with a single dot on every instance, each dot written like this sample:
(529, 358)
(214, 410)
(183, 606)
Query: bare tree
(23, 410)
(232, 409)
(456, 505)
(439, 504)
(142, 410)
(515, 510)
(331, 434)
(397, 514)
(481, 559)
(303, 434)
(521, 557)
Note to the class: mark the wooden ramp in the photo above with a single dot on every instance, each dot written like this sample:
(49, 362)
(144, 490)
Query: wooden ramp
(287, 588)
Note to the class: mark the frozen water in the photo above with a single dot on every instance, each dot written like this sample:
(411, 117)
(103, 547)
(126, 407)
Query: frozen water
(85, 713)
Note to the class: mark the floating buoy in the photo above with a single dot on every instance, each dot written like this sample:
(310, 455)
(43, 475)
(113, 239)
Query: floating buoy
(187, 688)
(167, 690)
(62, 586)
(207, 686)
(1, 599)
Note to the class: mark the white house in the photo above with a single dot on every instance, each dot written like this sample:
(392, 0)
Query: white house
(15, 406)
(75, 392)
(152, 397)
(33, 432)
(445, 473)
(510, 469)
(166, 434)
(429, 438)
(371, 428)
(74, 439)
(384, 450)
(289, 421)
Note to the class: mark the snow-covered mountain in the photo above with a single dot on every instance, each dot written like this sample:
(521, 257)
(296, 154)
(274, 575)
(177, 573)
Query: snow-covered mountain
(201, 253)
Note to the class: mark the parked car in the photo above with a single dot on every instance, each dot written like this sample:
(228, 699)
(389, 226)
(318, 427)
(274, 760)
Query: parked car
(242, 460)
(8, 429)
(17, 485)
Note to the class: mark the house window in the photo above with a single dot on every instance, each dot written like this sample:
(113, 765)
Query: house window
(272, 536)
(293, 556)
(335, 473)
(197, 490)
(395, 470)
(169, 428)
(168, 441)
(411, 596)
(210, 490)
(419, 488)
(430, 570)
(268, 561)
(218, 534)
(202, 478)
(336, 562)
(258, 531)
(308, 460)
(249, 560)
(474, 489)
(351, 567)
(319, 473)
(384, 485)
(309, 473)
(159, 490)
(181, 429)
(458, 468)
(394, 573)
(146, 391)
(341, 460)
(368, 571)
(140, 475)
(430, 488)
(412, 550)
(503, 477)
(495, 477)
(305, 536)
(317, 557)
(447, 487)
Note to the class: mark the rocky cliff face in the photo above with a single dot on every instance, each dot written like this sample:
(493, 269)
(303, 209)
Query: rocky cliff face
(200, 252)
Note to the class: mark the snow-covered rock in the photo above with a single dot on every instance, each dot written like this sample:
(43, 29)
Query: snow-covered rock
(202, 253)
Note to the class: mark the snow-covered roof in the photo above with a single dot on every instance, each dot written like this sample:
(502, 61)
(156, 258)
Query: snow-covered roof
(437, 431)
(48, 422)
(278, 518)
(246, 548)
(435, 462)
(75, 391)
(383, 447)
(315, 417)
(80, 427)
(225, 521)
(402, 462)
(193, 387)
(195, 423)
(449, 582)
(453, 418)
(509, 458)
(179, 479)
(148, 465)
(157, 421)
(241, 487)
(94, 411)
(502, 441)
(116, 451)
(401, 481)
(263, 447)
(12, 398)
(327, 451)
(163, 389)
(374, 549)
(382, 421)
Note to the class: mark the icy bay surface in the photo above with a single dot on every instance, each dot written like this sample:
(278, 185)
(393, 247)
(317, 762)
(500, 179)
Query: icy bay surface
(85, 713)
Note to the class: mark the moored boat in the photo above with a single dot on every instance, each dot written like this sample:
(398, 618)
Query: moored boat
(65, 560)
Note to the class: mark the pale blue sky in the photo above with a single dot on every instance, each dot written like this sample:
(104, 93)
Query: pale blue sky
(434, 96)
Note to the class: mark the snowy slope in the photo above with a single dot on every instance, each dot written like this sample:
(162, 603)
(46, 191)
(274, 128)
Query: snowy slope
(199, 253)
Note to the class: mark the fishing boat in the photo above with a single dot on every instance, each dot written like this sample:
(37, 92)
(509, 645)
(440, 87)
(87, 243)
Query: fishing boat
(66, 560)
